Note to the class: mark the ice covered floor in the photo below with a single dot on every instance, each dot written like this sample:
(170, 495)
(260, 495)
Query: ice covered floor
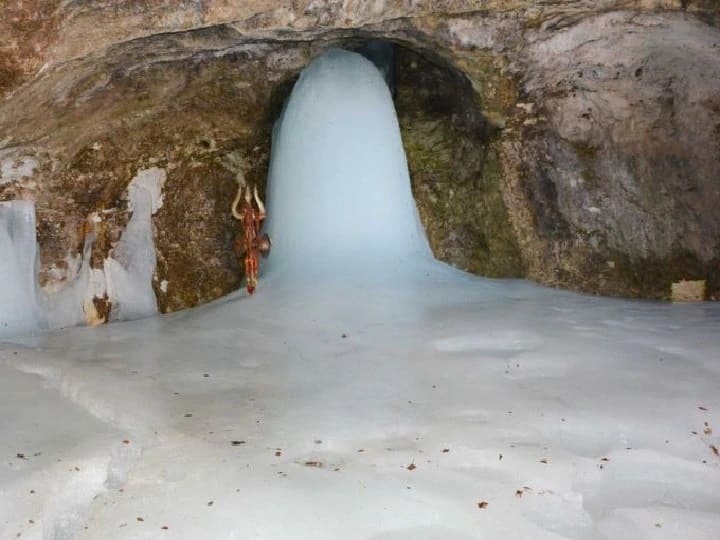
(392, 409)
(405, 402)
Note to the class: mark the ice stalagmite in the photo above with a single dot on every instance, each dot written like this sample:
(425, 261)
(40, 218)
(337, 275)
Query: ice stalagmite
(20, 310)
(339, 189)
(128, 273)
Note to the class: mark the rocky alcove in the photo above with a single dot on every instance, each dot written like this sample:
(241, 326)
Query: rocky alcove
(365, 391)
(595, 171)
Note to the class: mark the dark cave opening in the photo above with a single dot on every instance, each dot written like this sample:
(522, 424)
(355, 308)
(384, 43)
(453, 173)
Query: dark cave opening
(454, 167)
(206, 118)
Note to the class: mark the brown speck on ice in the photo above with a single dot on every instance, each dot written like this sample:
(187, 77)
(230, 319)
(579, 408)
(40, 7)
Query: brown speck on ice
(543, 460)
(411, 467)
(445, 450)
(702, 408)
(140, 519)
(482, 505)
(715, 450)
(317, 464)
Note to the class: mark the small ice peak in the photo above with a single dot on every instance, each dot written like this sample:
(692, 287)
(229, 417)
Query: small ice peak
(65, 303)
(594, 210)
(130, 268)
(17, 168)
(164, 285)
(96, 288)
(152, 180)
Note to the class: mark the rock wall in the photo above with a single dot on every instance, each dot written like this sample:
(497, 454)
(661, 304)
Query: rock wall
(575, 143)
(454, 167)
(617, 164)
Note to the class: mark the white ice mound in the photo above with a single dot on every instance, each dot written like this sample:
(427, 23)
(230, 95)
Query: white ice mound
(129, 272)
(339, 189)
(20, 310)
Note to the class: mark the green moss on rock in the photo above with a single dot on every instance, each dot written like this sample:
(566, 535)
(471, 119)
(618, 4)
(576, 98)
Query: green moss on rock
(455, 171)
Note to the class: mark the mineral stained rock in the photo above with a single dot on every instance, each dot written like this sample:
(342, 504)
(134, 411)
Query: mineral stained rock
(576, 143)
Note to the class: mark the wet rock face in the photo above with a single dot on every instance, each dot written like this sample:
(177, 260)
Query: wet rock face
(456, 177)
(621, 169)
(576, 147)
(28, 29)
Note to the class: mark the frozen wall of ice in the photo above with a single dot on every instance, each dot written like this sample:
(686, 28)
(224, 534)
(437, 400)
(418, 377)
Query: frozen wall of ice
(126, 277)
(339, 189)
(20, 310)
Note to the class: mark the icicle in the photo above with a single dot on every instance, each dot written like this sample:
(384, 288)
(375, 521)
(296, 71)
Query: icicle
(20, 307)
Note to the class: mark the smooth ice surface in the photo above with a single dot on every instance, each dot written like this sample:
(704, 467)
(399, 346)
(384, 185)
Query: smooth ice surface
(384, 410)
(400, 402)
(19, 299)
(339, 190)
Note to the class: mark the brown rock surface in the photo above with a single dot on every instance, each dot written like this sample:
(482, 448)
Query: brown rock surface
(575, 143)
